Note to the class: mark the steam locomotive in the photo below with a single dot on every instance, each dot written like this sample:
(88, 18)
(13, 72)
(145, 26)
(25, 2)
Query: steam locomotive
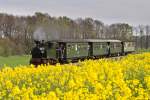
(66, 51)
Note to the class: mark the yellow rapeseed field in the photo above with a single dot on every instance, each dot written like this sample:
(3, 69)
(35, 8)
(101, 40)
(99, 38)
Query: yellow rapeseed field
(105, 79)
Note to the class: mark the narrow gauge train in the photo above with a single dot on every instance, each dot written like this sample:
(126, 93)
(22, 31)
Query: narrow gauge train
(65, 51)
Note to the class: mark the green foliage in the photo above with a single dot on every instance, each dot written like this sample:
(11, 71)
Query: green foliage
(14, 60)
(142, 50)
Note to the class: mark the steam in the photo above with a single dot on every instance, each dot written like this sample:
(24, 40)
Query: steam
(53, 35)
(39, 34)
(53, 32)
(46, 33)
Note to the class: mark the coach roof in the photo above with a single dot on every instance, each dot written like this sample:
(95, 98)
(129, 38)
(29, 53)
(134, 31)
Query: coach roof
(85, 40)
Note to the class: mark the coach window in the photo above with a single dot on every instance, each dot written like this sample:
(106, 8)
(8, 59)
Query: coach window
(129, 45)
(115, 45)
(112, 45)
(98, 46)
(69, 48)
(76, 47)
(118, 45)
(101, 46)
(79, 47)
(126, 45)
(95, 46)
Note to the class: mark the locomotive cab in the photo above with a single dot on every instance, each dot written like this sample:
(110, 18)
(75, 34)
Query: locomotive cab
(56, 52)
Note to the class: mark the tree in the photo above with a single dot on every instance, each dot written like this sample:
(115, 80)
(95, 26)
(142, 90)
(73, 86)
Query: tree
(141, 27)
(99, 29)
(121, 31)
(147, 36)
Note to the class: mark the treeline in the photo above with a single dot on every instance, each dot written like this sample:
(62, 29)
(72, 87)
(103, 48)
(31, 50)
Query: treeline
(17, 33)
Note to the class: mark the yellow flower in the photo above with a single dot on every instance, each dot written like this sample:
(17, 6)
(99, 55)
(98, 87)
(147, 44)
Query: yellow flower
(135, 82)
(123, 79)
(15, 90)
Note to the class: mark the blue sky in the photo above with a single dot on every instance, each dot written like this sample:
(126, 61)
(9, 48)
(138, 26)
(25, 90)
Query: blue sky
(133, 12)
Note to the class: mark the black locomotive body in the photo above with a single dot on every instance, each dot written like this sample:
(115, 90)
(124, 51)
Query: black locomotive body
(65, 51)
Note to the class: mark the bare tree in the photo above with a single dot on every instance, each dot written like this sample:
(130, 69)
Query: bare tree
(99, 29)
(141, 27)
(147, 36)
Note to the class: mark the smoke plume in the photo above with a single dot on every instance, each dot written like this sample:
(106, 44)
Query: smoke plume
(39, 34)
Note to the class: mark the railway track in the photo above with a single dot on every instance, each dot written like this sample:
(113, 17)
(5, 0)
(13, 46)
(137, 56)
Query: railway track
(117, 57)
